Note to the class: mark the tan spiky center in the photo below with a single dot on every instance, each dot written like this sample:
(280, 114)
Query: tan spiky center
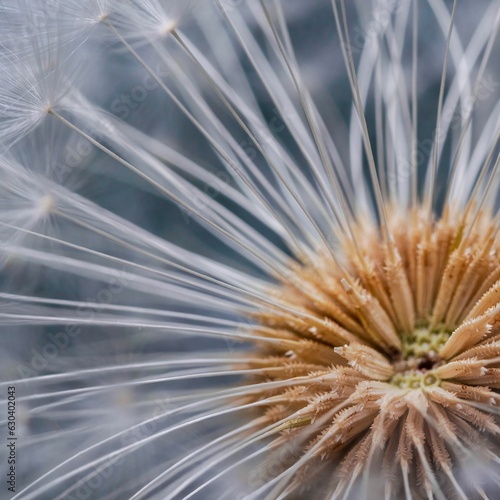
(409, 337)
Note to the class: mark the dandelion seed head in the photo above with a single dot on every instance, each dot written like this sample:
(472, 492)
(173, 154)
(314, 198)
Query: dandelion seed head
(250, 249)
(418, 354)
